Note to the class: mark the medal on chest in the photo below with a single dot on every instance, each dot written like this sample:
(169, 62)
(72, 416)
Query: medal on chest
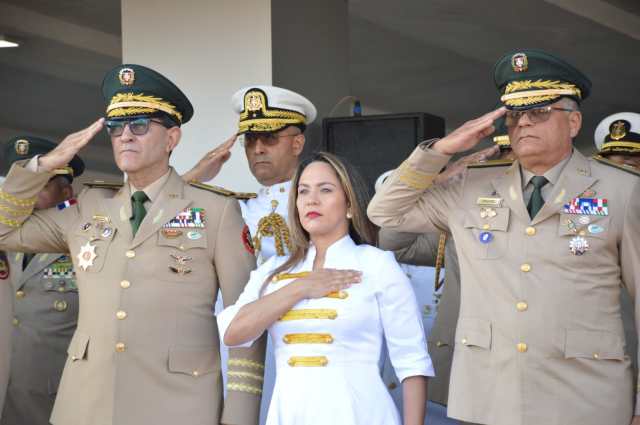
(87, 256)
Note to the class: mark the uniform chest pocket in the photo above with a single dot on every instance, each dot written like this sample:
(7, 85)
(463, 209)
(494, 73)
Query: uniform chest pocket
(93, 247)
(489, 229)
(183, 255)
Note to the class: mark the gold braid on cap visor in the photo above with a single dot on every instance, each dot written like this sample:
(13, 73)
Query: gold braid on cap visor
(270, 120)
(527, 92)
(128, 104)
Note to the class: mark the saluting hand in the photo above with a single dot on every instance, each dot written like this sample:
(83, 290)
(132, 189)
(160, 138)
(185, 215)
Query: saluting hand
(321, 282)
(211, 164)
(469, 134)
(69, 147)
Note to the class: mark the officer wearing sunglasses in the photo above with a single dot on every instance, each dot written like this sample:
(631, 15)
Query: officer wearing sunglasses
(150, 256)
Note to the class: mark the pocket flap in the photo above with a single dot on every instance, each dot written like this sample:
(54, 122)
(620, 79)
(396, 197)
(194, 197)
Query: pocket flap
(597, 345)
(77, 349)
(483, 218)
(474, 333)
(195, 362)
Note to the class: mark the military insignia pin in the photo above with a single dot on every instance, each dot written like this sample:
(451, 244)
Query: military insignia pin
(578, 245)
(86, 256)
(22, 147)
(487, 213)
(594, 229)
(4, 269)
(485, 237)
(253, 101)
(127, 76)
(519, 62)
(618, 130)
(171, 233)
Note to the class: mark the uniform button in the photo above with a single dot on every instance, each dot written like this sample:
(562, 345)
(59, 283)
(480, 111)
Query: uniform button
(522, 347)
(121, 315)
(525, 267)
(60, 305)
(125, 284)
(582, 233)
(195, 373)
(20, 294)
(130, 254)
(530, 231)
(464, 341)
(596, 356)
(15, 321)
(392, 385)
(522, 306)
(120, 347)
(486, 226)
(439, 344)
(181, 247)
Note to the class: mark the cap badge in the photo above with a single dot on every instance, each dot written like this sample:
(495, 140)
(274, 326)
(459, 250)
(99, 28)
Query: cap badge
(618, 130)
(127, 76)
(22, 147)
(254, 101)
(519, 62)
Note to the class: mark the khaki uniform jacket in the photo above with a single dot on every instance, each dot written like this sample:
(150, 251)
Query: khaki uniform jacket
(45, 318)
(6, 312)
(146, 350)
(540, 337)
(422, 250)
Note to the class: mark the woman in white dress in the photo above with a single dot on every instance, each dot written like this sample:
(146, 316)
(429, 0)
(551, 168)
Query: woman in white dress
(328, 308)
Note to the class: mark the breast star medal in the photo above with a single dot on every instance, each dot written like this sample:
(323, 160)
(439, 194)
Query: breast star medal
(578, 245)
(86, 256)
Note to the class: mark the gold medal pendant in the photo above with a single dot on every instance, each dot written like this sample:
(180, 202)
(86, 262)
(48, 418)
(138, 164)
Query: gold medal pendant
(86, 256)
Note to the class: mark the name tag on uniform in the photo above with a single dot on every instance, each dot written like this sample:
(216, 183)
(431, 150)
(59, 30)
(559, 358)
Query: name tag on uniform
(587, 206)
(489, 202)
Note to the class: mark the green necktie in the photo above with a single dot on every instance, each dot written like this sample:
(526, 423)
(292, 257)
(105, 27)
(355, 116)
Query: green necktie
(137, 203)
(536, 202)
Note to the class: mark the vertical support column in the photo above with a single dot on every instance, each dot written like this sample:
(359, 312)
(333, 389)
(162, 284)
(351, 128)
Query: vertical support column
(209, 48)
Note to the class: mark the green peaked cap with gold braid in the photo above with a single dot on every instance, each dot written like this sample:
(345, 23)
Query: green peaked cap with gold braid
(533, 78)
(135, 90)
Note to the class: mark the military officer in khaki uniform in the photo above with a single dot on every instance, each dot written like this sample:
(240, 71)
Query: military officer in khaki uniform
(544, 247)
(45, 305)
(6, 312)
(149, 257)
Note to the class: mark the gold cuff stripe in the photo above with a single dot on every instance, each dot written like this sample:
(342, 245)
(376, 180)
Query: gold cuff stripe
(285, 276)
(16, 212)
(304, 314)
(235, 386)
(621, 144)
(249, 375)
(246, 363)
(18, 202)
(132, 100)
(303, 361)
(413, 178)
(308, 338)
(9, 222)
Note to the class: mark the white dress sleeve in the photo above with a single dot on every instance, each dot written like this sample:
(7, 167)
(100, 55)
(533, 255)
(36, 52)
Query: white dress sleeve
(401, 320)
(250, 294)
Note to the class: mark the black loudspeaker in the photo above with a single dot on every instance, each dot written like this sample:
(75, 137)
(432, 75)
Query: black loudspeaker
(377, 143)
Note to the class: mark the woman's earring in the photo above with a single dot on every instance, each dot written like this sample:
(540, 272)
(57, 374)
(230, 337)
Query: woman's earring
(349, 215)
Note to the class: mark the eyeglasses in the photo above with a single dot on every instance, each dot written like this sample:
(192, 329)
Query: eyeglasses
(268, 139)
(535, 115)
(138, 126)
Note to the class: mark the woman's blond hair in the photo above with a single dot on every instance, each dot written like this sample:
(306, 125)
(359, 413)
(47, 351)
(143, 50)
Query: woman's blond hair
(361, 229)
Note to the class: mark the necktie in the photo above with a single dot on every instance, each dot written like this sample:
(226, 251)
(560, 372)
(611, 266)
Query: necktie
(26, 259)
(137, 203)
(536, 202)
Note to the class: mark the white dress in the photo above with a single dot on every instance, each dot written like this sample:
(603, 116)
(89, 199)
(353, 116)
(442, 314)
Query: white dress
(327, 350)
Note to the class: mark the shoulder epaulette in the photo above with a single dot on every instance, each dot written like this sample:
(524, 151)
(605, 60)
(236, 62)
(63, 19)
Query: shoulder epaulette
(628, 168)
(222, 191)
(101, 184)
(491, 163)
